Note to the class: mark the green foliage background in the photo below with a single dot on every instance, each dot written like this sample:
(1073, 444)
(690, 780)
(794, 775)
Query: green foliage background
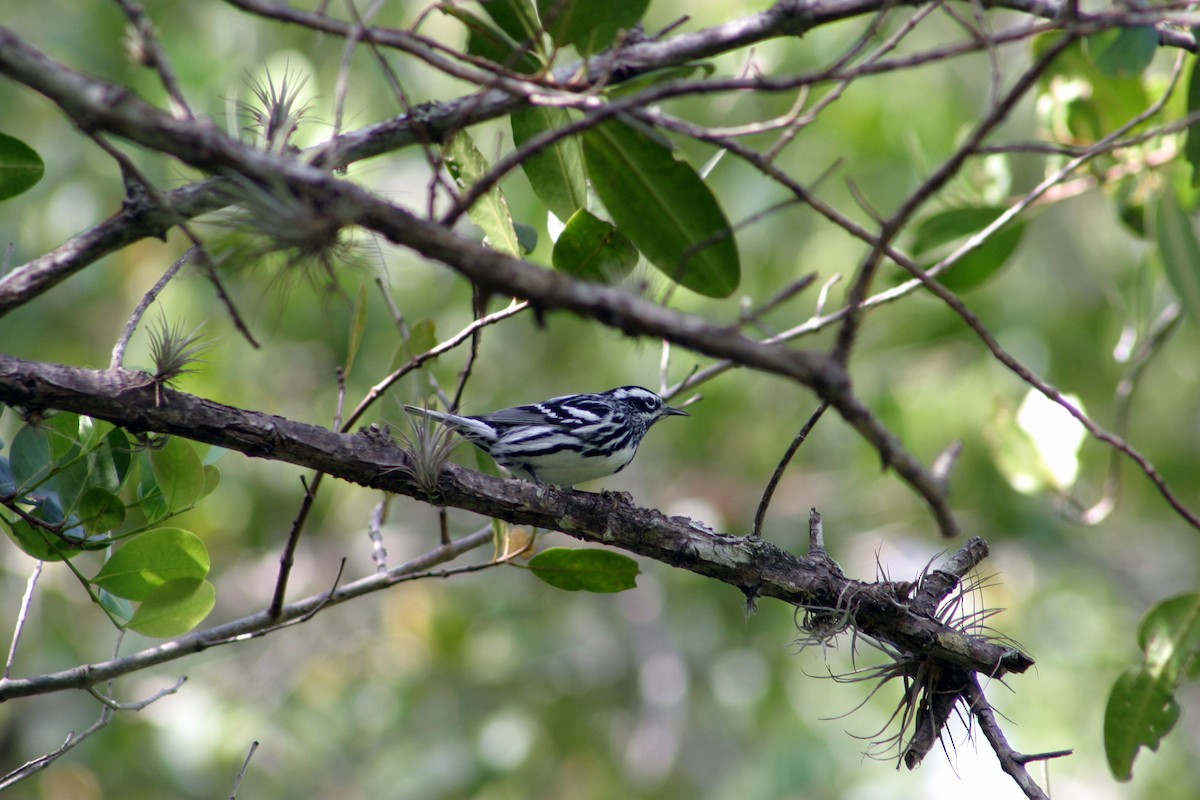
(497, 686)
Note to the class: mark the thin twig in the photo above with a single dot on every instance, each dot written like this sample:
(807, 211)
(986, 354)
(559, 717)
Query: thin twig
(1011, 761)
(761, 514)
(288, 557)
(237, 781)
(22, 616)
(118, 353)
(375, 533)
(151, 54)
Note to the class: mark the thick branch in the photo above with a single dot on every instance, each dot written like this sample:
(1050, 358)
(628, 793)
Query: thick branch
(756, 567)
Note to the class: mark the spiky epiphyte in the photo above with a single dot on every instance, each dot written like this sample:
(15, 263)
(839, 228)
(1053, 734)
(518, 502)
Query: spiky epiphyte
(430, 446)
(174, 351)
(278, 113)
(298, 235)
(934, 689)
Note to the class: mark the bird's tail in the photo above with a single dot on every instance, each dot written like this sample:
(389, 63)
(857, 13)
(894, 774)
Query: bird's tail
(471, 428)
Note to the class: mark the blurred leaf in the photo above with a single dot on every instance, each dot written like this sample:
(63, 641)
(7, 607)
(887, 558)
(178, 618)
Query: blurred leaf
(516, 18)
(1131, 205)
(1142, 707)
(20, 167)
(8, 485)
(152, 559)
(590, 570)
(527, 235)
(663, 207)
(485, 464)
(358, 324)
(1178, 249)
(490, 212)
(422, 337)
(657, 76)
(179, 473)
(1098, 103)
(1125, 52)
(1170, 632)
(212, 479)
(1056, 436)
(954, 226)
(589, 25)
(100, 510)
(495, 45)
(1191, 149)
(594, 250)
(556, 172)
(174, 608)
(1140, 711)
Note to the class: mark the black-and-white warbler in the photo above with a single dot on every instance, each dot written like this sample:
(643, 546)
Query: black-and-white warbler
(564, 440)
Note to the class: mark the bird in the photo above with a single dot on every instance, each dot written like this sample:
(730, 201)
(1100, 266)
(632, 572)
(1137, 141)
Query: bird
(564, 440)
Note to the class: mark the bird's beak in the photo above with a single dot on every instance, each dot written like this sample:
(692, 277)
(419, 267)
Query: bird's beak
(671, 412)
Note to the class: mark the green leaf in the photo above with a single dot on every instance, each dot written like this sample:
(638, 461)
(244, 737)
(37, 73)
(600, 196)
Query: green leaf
(594, 250)
(1102, 103)
(516, 18)
(490, 212)
(934, 234)
(1125, 52)
(1142, 707)
(81, 473)
(38, 543)
(485, 464)
(486, 41)
(1178, 249)
(179, 473)
(1171, 631)
(30, 458)
(589, 25)
(118, 607)
(174, 608)
(100, 510)
(422, 337)
(120, 452)
(152, 559)
(20, 167)
(212, 479)
(556, 173)
(62, 429)
(1140, 711)
(8, 485)
(589, 570)
(527, 236)
(663, 207)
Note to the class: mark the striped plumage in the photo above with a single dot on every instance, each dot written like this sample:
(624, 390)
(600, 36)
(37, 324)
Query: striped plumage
(564, 440)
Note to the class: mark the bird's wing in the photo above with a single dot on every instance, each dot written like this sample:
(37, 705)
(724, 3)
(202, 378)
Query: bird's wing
(519, 415)
(581, 410)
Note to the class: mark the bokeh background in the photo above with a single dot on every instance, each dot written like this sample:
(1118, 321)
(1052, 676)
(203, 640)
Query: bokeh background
(494, 685)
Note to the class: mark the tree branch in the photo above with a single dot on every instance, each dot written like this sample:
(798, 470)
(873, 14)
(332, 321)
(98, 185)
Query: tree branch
(371, 459)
